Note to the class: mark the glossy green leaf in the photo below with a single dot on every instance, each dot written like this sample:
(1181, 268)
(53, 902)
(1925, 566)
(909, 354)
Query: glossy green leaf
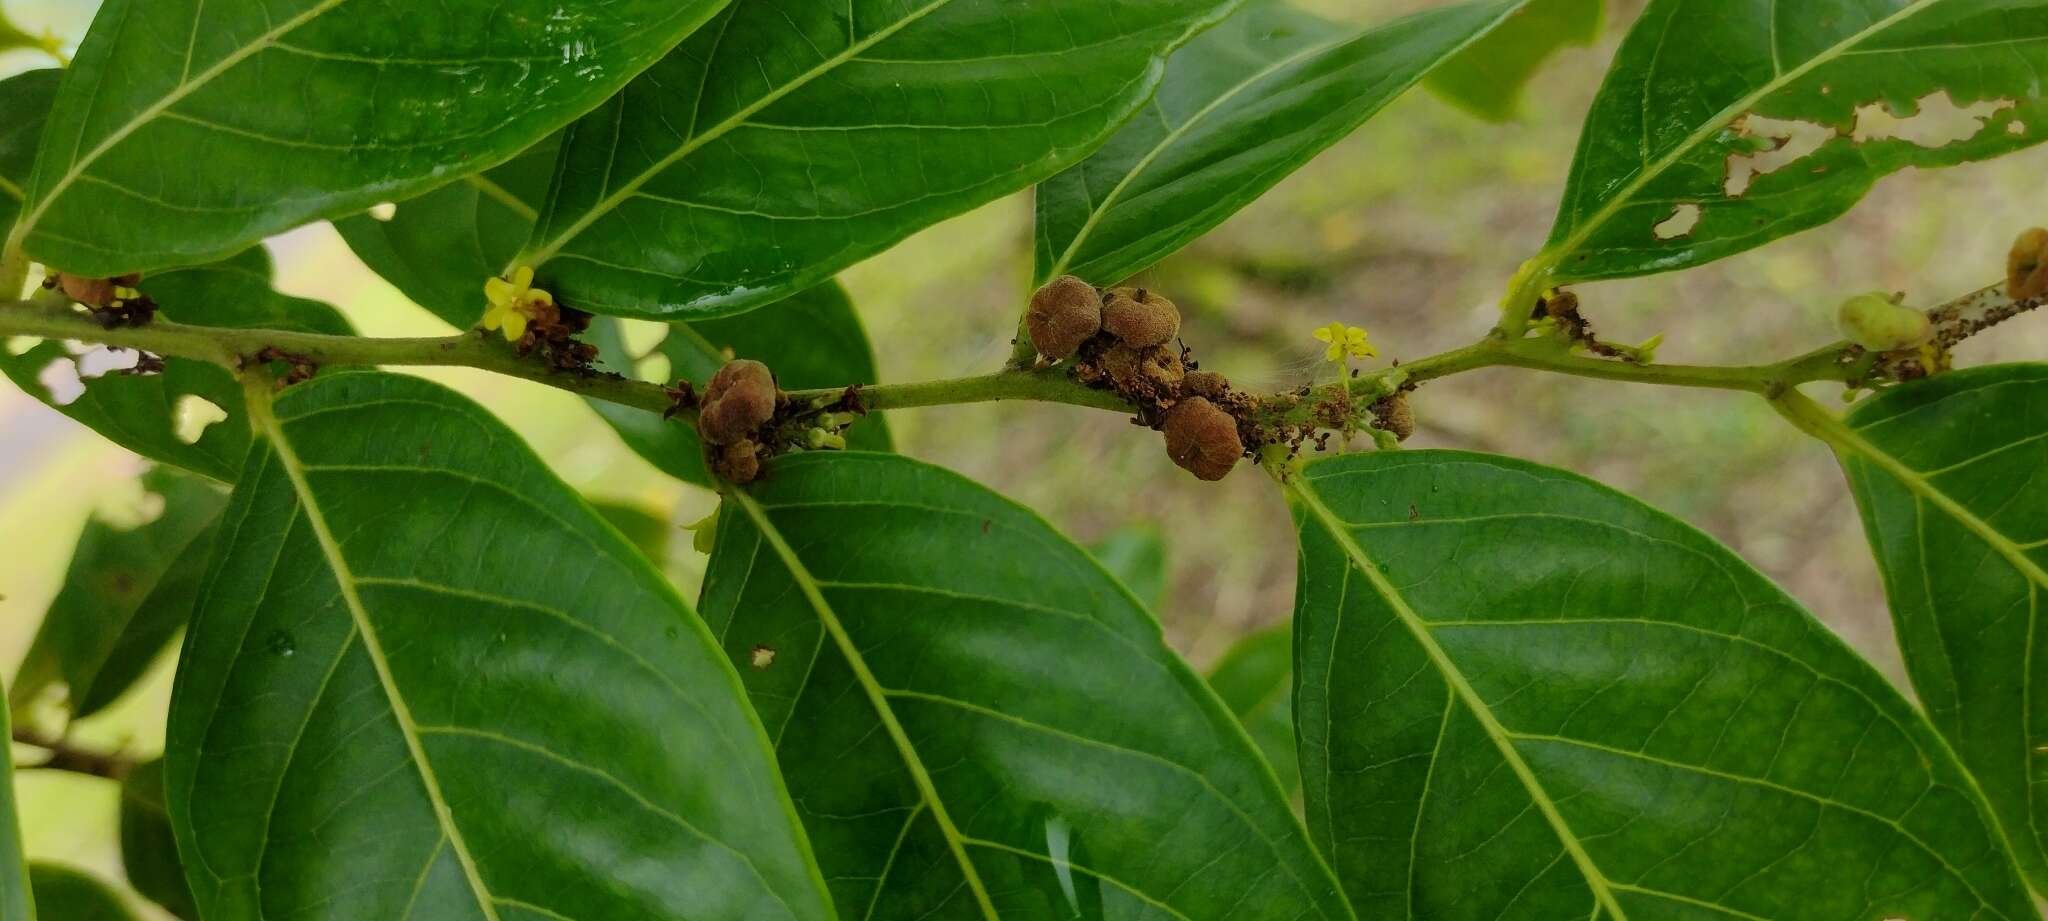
(439, 248)
(426, 680)
(24, 106)
(149, 849)
(811, 340)
(1488, 77)
(1242, 106)
(1534, 697)
(648, 532)
(65, 894)
(187, 130)
(15, 904)
(141, 412)
(976, 721)
(127, 593)
(1668, 173)
(786, 141)
(1946, 473)
(1256, 681)
(1136, 556)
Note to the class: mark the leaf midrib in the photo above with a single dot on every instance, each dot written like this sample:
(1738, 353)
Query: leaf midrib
(877, 696)
(1625, 195)
(1302, 489)
(733, 122)
(265, 420)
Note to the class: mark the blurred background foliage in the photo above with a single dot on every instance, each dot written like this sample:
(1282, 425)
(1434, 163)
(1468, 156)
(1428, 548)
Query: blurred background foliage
(1410, 228)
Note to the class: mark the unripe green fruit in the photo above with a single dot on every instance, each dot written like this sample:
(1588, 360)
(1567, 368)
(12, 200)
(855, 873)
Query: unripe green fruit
(1140, 318)
(1880, 323)
(1202, 439)
(1063, 314)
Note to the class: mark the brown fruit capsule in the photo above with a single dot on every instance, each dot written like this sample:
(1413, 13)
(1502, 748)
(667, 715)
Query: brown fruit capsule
(1202, 439)
(92, 292)
(1162, 366)
(1140, 318)
(1205, 384)
(739, 462)
(739, 399)
(1063, 314)
(1395, 416)
(2026, 269)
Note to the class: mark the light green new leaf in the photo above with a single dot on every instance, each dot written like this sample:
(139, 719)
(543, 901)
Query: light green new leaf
(187, 130)
(1256, 681)
(127, 593)
(1534, 697)
(1488, 77)
(977, 722)
(813, 339)
(149, 849)
(65, 894)
(141, 412)
(785, 142)
(24, 106)
(1947, 475)
(1242, 106)
(15, 904)
(426, 680)
(1691, 151)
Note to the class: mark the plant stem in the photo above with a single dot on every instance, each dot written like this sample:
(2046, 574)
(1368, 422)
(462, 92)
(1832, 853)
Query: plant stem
(63, 756)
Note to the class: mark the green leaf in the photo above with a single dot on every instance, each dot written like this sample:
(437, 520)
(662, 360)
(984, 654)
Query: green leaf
(1136, 556)
(1945, 473)
(648, 532)
(1242, 106)
(811, 340)
(427, 680)
(149, 849)
(187, 130)
(14, 892)
(1256, 681)
(1538, 698)
(24, 107)
(439, 248)
(65, 894)
(1667, 175)
(785, 142)
(127, 593)
(141, 412)
(976, 721)
(1488, 77)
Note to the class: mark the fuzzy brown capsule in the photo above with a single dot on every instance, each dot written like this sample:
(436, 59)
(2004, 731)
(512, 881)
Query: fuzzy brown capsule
(739, 399)
(2026, 269)
(1063, 314)
(1202, 439)
(1205, 384)
(92, 292)
(738, 463)
(1140, 318)
(1395, 416)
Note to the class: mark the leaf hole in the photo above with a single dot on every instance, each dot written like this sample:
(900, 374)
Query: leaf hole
(2016, 128)
(383, 211)
(60, 380)
(653, 369)
(1681, 222)
(19, 345)
(100, 362)
(1933, 121)
(642, 337)
(193, 416)
(1775, 144)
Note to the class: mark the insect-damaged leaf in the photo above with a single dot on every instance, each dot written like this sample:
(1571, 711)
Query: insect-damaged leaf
(187, 129)
(1702, 142)
(153, 414)
(976, 721)
(1947, 477)
(1487, 78)
(785, 142)
(1542, 699)
(1242, 106)
(426, 680)
(127, 593)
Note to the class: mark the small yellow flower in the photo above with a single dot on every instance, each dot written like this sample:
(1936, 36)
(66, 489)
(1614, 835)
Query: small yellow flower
(1346, 341)
(513, 302)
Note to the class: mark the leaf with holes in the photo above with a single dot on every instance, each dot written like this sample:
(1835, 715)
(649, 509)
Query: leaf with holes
(1538, 698)
(1722, 127)
(1945, 472)
(439, 248)
(127, 593)
(149, 849)
(785, 142)
(65, 894)
(1241, 107)
(359, 684)
(1488, 77)
(187, 130)
(24, 106)
(1256, 681)
(976, 721)
(811, 340)
(14, 892)
(155, 415)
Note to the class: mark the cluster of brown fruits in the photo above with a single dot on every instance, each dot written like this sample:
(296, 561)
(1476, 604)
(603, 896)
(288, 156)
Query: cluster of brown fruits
(738, 402)
(1122, 338)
